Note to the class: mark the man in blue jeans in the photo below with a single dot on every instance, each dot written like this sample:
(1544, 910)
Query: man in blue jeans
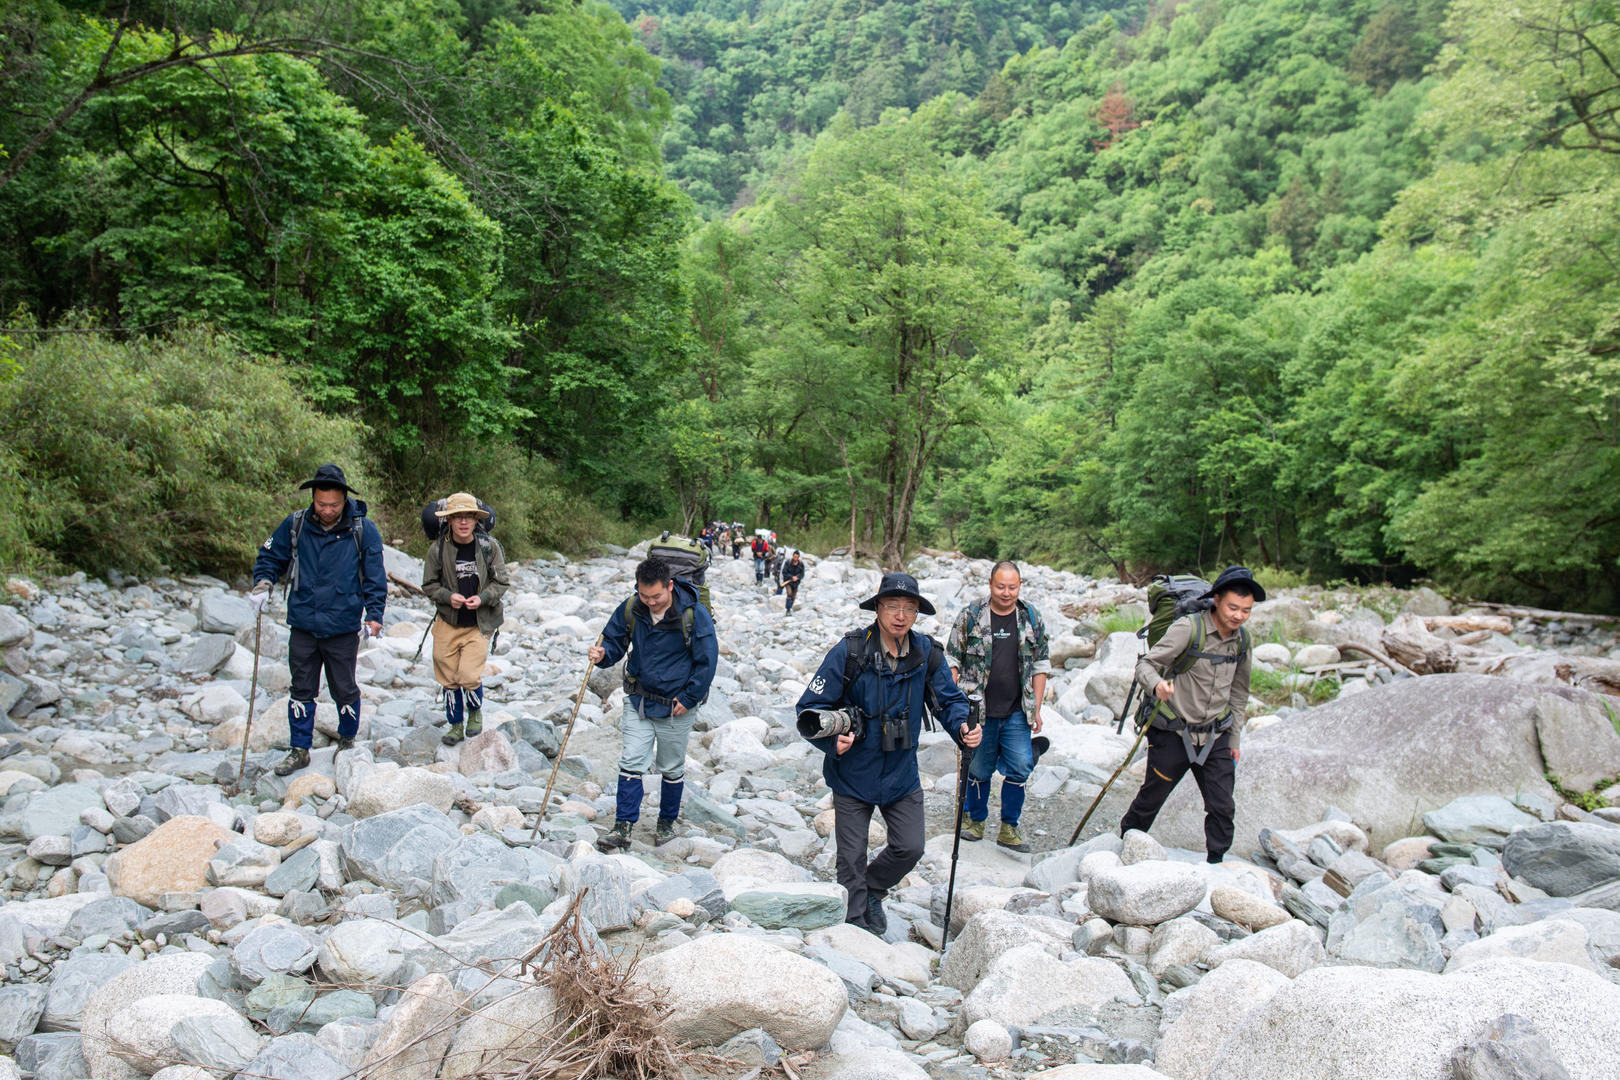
(999, 648)
(673, 654)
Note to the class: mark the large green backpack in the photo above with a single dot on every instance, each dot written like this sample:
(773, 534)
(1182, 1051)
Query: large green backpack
(688, 560)
(1169, 597)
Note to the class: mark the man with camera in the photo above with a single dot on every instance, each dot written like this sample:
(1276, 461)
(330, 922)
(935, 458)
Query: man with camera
(864, 710)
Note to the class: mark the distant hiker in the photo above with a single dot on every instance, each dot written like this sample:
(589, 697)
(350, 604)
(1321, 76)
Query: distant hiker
(864, 710)
(736, 541)
(1197, 684)
(331, 556)
(673, 655)
(464, 574)
(792, 578)
(999, 647)
(762, 552)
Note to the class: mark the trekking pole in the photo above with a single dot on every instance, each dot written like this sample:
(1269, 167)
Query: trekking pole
(963, 759)
(253, 696)
(1140, 732)
(545, 800)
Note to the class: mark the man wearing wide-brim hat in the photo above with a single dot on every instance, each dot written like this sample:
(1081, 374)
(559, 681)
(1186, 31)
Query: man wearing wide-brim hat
(331, 556)
(464, 574)
(1196, 680)
(864, 710)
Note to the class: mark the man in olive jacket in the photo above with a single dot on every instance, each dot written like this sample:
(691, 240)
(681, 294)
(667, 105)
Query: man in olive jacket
(464, 574)
(1197, 681)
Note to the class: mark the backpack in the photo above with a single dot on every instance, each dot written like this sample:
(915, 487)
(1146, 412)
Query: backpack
(855, 663)
(433, 524)
(356, 529)
(689, 561)
(1170, 597)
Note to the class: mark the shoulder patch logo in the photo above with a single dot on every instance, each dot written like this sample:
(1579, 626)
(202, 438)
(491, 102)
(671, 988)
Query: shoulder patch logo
(267, 542)
(817, 685)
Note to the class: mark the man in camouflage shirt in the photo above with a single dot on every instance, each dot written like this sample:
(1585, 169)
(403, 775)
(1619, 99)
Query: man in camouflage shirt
(999, 648)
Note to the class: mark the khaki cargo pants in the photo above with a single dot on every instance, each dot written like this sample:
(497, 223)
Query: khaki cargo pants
(459, 653)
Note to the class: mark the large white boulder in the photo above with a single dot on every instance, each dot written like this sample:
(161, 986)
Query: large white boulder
(722, 984)
(1401, 749)
(1360, 1023)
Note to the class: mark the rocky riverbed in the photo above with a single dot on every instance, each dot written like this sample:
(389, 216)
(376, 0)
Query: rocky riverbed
(1410, 894)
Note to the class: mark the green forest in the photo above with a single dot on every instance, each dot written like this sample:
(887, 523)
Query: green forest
(1118, 286)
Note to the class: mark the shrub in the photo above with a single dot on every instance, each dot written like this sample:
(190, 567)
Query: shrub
(172, 454)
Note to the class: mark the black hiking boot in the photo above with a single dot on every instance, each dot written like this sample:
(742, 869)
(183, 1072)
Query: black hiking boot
(876, 920)
(342, 745)
(665, 831)
(618, 838)
(296, 759)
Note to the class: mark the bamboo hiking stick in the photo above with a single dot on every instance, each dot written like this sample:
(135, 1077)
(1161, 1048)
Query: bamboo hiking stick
(545, 800)
(253, 696)
(1091, 809)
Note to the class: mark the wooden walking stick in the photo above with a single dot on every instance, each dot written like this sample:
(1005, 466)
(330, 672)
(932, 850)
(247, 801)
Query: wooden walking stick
(253, 696)
(545, 800)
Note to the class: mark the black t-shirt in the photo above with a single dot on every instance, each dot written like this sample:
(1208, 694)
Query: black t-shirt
(467, 580)
(1003, 690)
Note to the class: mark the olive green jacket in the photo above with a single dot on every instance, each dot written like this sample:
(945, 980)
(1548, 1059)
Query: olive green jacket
(439, 579)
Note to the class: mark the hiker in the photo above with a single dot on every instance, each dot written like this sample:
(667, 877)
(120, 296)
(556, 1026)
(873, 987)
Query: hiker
(736, 540)
(1196, 682)
(331, 555)
(464, 574)
(673, 654)
(864, 710)
(792, 578)
(999, 648)
(762, 552)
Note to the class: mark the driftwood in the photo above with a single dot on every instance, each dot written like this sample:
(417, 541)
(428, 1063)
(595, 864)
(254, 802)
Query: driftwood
(1408, 640)
(1598, 674)
(408, 586)
(1467, 624)
(1544, 615)
(1368, 650)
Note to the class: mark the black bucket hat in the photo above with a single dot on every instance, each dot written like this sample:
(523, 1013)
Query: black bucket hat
(328, 476)
(898, 584)
(1237, 573)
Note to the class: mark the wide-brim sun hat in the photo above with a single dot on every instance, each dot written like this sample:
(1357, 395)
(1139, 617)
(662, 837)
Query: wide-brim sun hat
(461, 503)
(328, 476)
(898, 584)
(1238, 573)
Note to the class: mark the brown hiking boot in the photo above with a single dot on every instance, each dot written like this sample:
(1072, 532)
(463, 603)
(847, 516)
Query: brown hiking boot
(970, 829)
(1009, 837)
(296, 759)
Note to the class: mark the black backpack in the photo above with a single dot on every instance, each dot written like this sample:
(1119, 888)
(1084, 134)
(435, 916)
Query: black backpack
(433, 524)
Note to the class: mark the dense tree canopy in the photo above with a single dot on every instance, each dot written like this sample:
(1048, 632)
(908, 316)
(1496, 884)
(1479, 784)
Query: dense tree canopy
(1135, 286)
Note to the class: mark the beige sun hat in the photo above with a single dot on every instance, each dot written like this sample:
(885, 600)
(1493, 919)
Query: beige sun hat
(461, 503)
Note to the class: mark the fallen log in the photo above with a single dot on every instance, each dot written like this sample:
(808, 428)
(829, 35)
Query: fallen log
(1368, 650)
(1515, 611)
(408, 586)
(1464, 624)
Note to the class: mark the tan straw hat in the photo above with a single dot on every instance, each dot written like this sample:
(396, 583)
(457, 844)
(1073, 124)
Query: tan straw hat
(461, 503)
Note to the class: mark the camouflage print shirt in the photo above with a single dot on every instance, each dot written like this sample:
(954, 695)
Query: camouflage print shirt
(968, 649)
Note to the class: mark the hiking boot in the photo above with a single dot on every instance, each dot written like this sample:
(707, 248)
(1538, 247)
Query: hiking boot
(618, 838)
(475, 723)
(970, 829)
(453, 736)
(1009, 837)
(665, 832)
(342, 745)
(876, 921)
(296, 759)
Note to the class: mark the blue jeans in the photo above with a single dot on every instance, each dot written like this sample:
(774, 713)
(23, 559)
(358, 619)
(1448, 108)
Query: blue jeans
(1006, 749)
(759, 571)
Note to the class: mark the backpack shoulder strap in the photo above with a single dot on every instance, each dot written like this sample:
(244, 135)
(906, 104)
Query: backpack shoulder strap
(357, 526)
(292, 563)
(629, 621)
(688, 619)
(854, 656)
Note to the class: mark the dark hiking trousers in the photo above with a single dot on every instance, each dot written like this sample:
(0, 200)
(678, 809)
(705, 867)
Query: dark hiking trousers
(903, 819)
(1166, 764)
(307, 657)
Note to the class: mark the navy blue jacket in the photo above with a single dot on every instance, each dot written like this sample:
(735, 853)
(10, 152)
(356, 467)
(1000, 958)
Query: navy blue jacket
(865, 771)
(329, 597)
(659, 659)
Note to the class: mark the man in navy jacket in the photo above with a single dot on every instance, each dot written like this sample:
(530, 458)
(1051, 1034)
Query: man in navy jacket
(673, 653)
(335, 578)
(868, 728)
